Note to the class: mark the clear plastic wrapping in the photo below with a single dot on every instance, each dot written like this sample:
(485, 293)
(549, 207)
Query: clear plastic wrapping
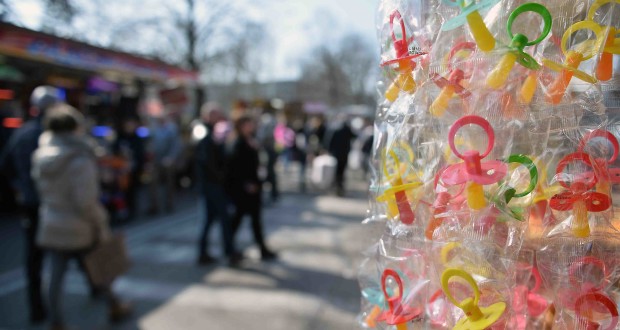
(494, 166)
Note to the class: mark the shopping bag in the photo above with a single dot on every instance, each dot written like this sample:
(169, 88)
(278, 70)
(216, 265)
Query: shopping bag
(323, 171)
(107, 261)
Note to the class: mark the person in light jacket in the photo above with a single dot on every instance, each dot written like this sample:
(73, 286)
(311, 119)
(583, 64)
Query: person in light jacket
(72, 220)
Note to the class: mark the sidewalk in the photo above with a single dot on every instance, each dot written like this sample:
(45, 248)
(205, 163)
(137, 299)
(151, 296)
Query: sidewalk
(311, 286)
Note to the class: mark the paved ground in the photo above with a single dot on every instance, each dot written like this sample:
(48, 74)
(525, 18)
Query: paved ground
(311, 286)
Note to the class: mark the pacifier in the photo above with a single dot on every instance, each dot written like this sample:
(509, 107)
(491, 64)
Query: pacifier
(588, 317)
(398, 312)
(605, 67)
(497, 77)
(440, 206)
(452, 85)
(577, 195)
(396, 195)
(535, 303)
(476, 317)
(404, 61)
(470, 14)
(472, 171)
(583, 52)
(607, 175)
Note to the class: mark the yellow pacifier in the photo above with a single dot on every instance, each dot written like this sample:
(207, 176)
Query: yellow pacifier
(477, 318)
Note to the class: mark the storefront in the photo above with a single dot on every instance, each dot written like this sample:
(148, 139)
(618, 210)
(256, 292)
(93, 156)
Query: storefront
(103, 83)
(108, 86)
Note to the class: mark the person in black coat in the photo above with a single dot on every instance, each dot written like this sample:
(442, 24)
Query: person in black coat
(211, 165)
(339, 146)
(15, 163)
(132, 146)
(244, 184)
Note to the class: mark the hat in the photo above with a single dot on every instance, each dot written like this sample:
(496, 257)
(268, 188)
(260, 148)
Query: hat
(43, 97)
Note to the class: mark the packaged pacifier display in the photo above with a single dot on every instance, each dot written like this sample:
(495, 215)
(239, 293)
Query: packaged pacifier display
(494, 167)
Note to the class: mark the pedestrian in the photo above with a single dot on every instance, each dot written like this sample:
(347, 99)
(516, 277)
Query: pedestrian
(73, 220)
(243, 182)
(132, 147)
(16, 165)
(339, 146)
(211, 164)
(268, 146)
(166, 148)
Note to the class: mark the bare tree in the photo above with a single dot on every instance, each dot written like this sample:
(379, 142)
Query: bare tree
(358, 61)
(341, 74)
(5, 11)
(58, 18)
(206, 36)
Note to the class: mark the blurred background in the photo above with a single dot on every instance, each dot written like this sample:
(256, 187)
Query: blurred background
(303, 70)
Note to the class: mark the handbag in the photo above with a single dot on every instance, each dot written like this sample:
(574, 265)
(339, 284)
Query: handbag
(107, 261)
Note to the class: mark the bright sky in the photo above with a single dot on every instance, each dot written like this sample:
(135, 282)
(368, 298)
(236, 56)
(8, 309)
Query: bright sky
(301, 24)
(296, 27)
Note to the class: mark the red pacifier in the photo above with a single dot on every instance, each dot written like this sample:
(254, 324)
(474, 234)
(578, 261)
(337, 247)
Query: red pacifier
(398, 313)
(404, 61)
(609, 174)
(452, 85)
(588, 316)
(586, 274)
(578, 196)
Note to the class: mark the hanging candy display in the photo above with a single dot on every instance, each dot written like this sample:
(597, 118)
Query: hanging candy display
(495, 181)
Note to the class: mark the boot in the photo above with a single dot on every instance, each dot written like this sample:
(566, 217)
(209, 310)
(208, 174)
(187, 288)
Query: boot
(119, 311)
(267, 255)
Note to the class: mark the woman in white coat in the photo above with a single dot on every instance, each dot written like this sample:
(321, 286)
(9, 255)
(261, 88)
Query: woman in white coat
(72, 218)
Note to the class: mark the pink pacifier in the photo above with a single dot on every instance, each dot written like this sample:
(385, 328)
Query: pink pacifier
(535, 303)
(441, 203)
(472, 171)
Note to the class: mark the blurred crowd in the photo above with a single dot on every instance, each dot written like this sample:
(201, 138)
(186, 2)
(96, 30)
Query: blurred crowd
(70, 178)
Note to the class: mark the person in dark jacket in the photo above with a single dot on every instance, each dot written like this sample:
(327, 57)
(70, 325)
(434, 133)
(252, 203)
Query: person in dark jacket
(132, 146)
(210, 156)
(339, 146)
(16, 164)
(243, 182)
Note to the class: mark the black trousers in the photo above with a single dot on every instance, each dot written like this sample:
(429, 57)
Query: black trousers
(272, 177)
(216, 205)
(33, 262)
(250, 205)
(341, 166)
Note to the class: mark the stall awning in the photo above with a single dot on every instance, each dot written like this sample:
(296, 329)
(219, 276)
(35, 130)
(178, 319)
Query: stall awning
(24, 43)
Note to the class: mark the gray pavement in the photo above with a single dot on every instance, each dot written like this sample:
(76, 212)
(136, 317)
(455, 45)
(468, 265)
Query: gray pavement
(311, 286)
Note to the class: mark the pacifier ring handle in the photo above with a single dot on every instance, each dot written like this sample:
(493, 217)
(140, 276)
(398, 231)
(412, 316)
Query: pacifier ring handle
(597, 5)
(574, 157)
(584, 25)
(454, 272)
(393, 274)
(475, 120)
(601, 134)
(529, 164)
(463, 45)
(597, 297)
(589, 260)
(396, 14)
(538, 9)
